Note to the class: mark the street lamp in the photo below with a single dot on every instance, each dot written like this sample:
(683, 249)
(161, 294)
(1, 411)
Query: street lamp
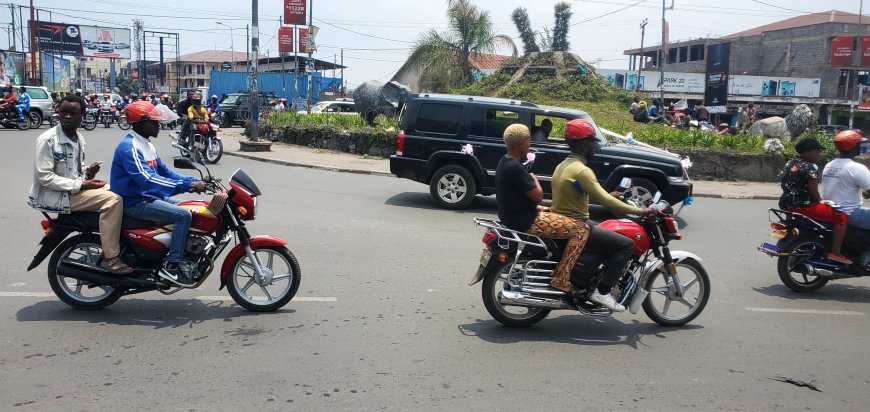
(232, 50)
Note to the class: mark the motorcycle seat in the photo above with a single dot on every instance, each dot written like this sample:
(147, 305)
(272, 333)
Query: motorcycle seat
(81, 221)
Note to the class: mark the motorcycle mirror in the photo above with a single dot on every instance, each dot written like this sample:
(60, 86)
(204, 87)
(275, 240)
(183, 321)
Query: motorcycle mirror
(183, 163)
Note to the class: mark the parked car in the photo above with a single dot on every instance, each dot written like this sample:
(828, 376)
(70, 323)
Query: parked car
(434, 128)
(831, 130)
(333, 106)
(235, 108)
(40, 102)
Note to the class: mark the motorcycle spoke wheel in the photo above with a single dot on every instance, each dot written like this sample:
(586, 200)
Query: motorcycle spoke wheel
(282, 277)
(665, 307)
(74, 292)
(498, 280)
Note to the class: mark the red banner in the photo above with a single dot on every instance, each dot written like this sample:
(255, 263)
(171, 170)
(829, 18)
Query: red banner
(865, 51)
(285, 40)
(303, 40)
(841, 51)
(294, 11)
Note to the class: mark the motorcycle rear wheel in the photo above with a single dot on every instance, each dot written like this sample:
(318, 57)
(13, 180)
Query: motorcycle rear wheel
(512, 316)
(242, 279)
(700, 282)
(799, 251)
(74, 292)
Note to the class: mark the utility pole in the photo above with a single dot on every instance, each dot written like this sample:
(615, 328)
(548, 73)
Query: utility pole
(307, 40)
(14, 32)
(640, 64)
(662, 54)
(32, 44)
(232, 49)
(860, 11)
(342, 73)
(255, 97)
(248, 48)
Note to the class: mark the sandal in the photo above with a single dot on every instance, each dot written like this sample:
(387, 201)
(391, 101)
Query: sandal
(116, 266)
(839, 258)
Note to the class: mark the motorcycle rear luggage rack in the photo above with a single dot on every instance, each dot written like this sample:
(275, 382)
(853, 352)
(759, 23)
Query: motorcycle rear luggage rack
(510, 235)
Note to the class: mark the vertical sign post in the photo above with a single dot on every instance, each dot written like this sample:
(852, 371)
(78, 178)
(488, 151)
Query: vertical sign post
(255, 97)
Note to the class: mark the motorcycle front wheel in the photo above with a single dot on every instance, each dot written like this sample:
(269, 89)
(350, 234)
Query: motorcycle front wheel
(77, 293)
(515, 316)
(282, 273)
(122, 123)
(53, 121)
(662, 304)
(89, 124)
(214, 151)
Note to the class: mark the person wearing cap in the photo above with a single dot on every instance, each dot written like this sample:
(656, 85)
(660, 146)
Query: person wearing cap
(181, 109)
(800, 194)
(23, 102)
(213, 104)
(518, 194)
(843, 179)
(574, 186)
(146, 184)
(10, 99)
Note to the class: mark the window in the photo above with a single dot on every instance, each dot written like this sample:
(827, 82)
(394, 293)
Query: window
(37, 93)
(862, 77)
(200, 82)
(684, 54)
(200, 69)
(554, 135)
(844, 78)
(491, 122)
(189, 69)
(672, 55)
(696, 52)
(439, 118)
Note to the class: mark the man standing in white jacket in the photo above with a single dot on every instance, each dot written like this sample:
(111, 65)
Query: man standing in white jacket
(61, 184)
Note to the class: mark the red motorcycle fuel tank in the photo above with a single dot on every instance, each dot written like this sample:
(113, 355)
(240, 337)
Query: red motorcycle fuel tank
(630, 230)
(203, 220)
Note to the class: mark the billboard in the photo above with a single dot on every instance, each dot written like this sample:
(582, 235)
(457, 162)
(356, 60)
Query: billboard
(303, 40)
(841, 51)
(11, 67)
(865, 51)
(77, 40)
(294, 11)
(285, 40)
(674, 82)
(716, 84)
(55, 73)
(738, 85)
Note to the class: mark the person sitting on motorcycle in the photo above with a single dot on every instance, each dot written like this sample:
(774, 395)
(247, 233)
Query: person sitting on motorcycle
(9, 99)
(181, 109)
(23, 102)
(145, 183)
(800, 194)
(213, 104)
(196, 113)
(62, 183)
(843, 179)
(282, 105)
(574, 186)
(518, 194)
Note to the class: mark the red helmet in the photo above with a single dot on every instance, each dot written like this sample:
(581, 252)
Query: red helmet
(143, 110)
(847, 140)
(579, 129)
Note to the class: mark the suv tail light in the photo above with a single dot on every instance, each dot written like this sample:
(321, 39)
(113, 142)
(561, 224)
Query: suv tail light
(400, 143)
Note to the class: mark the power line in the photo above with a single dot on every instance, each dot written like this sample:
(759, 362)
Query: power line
(607, 14)
(362, 34)
(780, 7)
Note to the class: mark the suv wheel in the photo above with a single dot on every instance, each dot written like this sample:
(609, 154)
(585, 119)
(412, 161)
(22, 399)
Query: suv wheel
(642, 191)
(453, 187)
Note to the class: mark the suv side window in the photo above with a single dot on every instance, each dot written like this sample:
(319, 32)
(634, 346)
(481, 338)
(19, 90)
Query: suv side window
(556, 126)
(439, 118)
(245, 99)
(37, 93)
(491, 123)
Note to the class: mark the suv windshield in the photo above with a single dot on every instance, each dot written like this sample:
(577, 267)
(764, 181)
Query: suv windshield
(231, 99)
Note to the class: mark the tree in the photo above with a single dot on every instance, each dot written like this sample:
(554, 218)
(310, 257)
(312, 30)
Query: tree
(126, 86)
(560, 29)
(469, 32)
(520, 17)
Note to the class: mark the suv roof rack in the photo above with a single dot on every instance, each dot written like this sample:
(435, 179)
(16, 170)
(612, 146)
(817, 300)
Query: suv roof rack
(484, 99)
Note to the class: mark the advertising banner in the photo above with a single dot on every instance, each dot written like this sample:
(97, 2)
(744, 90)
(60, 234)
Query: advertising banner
(303, 40)
(841, 51)
(310, 44)
(55, 73)
(11, 67)
(285, 40)
(294, 11)
(863, 97)
(865, 51)
(76, 40)
(716, 82)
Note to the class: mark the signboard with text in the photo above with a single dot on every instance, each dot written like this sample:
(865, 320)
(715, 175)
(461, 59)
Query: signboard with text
(841, 51)
(77, 40)
(716, 80)
(294, 11)
(738, 85)
(55, 73)
(12, 65)
(303, 40)
(285, 40)
(865, 51)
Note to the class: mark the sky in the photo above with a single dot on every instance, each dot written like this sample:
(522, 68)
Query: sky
(377, 35)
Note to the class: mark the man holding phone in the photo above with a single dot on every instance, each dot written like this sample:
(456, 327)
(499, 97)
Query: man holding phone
(62, 184)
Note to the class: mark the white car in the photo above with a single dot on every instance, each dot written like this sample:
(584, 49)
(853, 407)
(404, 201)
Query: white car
(334, 106)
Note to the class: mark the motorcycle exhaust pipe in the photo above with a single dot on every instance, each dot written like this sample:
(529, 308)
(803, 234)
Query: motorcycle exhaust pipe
(89, 274)
(637, 300)
(509, 298)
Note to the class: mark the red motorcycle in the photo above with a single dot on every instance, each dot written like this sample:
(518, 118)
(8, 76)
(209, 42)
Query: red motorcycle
(516, 269)
(260, 273)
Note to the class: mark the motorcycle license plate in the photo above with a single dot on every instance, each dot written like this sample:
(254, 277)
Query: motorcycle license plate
(778, 234)
(484, 257)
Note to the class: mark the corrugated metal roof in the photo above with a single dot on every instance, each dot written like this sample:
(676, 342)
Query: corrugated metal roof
(213, 56)
(832, 16)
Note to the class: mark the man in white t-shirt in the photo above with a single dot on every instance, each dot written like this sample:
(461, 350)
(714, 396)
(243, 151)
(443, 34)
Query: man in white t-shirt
(844, 179)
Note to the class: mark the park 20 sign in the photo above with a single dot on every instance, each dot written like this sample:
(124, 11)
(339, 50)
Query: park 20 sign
(294, 11)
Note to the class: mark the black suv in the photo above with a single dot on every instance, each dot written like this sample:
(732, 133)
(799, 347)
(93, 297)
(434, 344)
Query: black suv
(235, 108)
(434, 129)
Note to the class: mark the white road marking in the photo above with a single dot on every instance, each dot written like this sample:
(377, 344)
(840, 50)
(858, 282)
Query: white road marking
(807, 311)
(17, 284)
(26, 294)
(295, 299)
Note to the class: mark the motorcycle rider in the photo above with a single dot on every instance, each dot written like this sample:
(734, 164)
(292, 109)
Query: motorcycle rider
(213, 104)
(843, 178)
(9, 99)
(145, 183)
(181, 109)
(574, 186)
(518, 193)
(62, 184)
(23, 102)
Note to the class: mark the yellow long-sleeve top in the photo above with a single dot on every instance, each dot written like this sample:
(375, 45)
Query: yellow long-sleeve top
(574, 185)
(197, 116)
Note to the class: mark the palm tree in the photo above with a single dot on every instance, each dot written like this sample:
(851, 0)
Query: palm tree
(447, 55)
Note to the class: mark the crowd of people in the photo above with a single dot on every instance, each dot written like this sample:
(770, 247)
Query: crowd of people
(682, 116)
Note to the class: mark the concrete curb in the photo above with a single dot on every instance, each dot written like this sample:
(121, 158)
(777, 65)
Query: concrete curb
(375, 173)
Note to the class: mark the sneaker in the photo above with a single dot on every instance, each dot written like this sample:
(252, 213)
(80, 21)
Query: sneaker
(607, 301)
(171, 272)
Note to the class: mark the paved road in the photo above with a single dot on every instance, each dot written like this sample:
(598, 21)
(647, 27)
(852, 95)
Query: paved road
(389, 323)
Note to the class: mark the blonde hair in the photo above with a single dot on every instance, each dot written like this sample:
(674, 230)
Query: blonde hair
(515, 135)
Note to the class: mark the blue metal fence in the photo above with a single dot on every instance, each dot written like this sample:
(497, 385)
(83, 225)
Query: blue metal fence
(279, 83)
